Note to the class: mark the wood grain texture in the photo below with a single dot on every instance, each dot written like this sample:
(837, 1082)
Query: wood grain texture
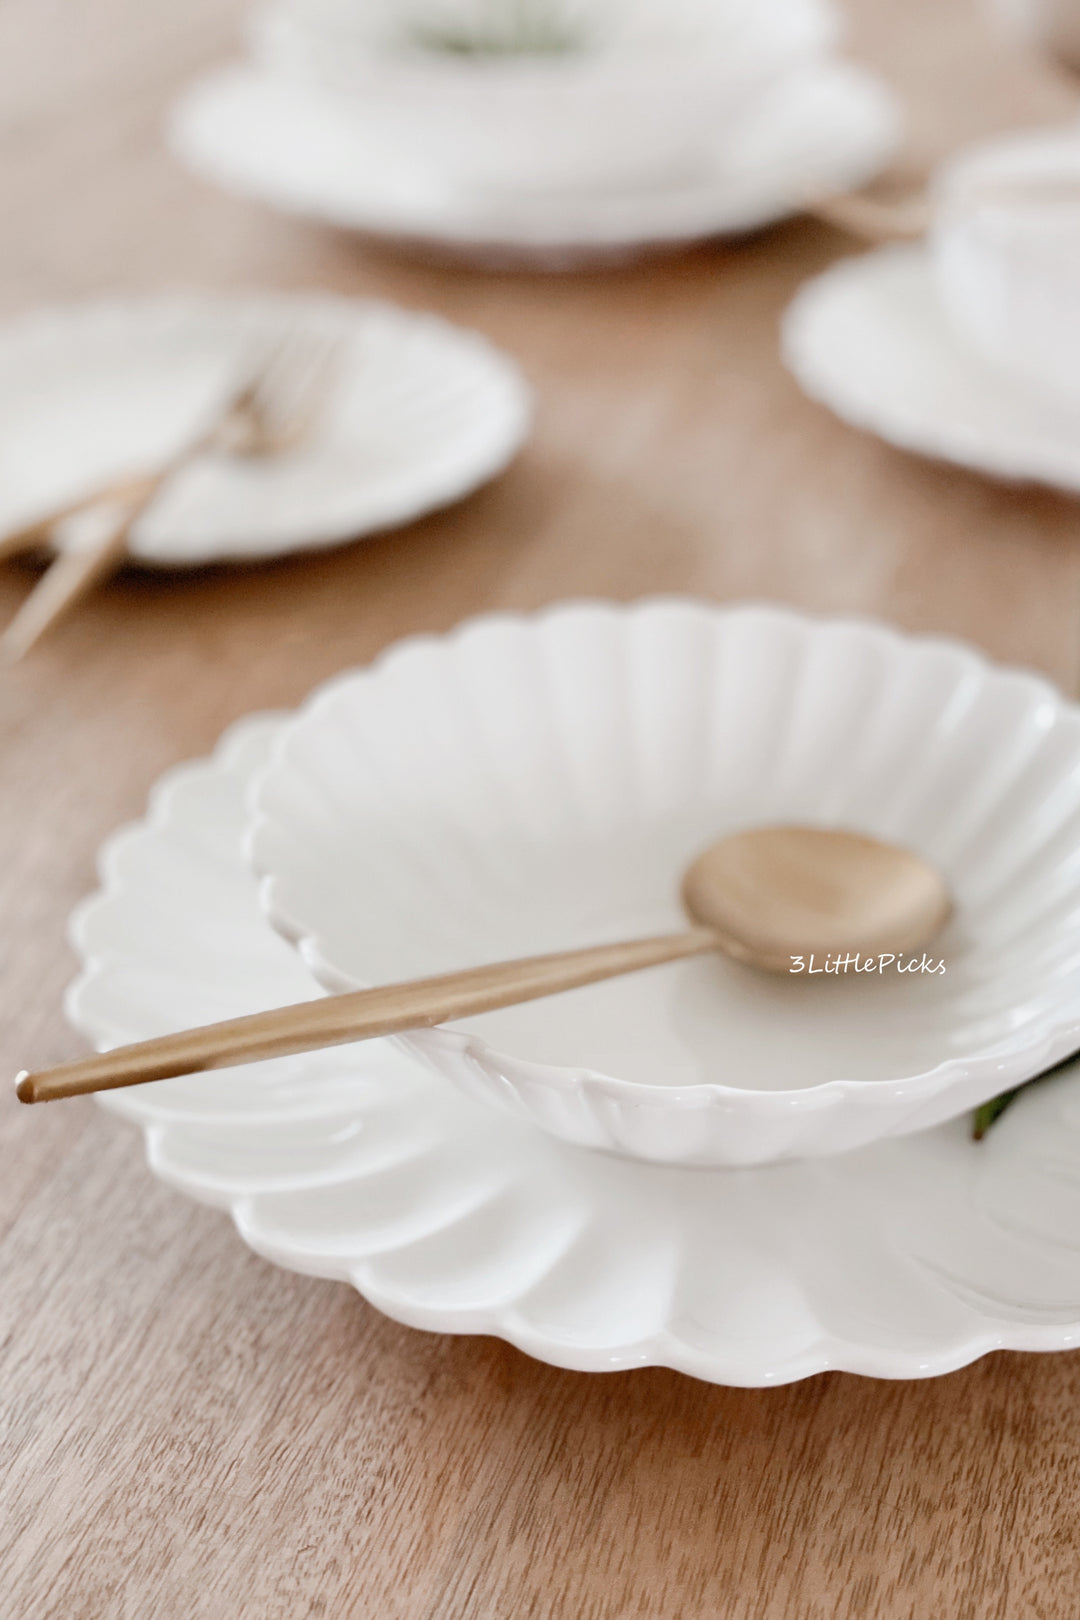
(188, 1433)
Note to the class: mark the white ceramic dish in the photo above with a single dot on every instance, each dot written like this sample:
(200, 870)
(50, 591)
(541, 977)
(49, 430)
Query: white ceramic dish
(1005, 243)
(314, 154)
(905, 1260)
(635, 96)
(871, 340)
(419, 414)
(526, 784)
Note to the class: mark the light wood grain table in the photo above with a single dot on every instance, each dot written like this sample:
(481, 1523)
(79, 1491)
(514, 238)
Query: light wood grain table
(189, 1433)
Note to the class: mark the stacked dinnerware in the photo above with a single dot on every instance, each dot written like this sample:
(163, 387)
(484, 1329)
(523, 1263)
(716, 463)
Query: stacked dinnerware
(546, 128)
(531, 782)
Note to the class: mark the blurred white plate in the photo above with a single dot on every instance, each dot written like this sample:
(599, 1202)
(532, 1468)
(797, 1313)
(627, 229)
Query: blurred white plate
(419, 413)
(829, 127)
(870, 339)
(903, 1260)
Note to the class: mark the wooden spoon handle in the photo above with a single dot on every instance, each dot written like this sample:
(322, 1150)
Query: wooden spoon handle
(356, 1016)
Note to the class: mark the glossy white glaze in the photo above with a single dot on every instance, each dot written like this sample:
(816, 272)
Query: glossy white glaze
(528, 784)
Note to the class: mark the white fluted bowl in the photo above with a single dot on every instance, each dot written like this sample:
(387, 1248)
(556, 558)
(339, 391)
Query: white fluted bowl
(526, 784)
(641, 96)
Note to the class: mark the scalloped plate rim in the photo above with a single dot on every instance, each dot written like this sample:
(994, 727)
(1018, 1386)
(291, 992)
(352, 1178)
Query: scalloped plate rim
(830, 1352)
(1059, 1040)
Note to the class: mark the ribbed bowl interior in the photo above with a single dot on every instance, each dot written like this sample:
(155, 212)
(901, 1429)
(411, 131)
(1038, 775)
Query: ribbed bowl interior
(528, 784)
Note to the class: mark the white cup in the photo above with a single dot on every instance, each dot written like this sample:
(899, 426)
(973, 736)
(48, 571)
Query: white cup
(1005, 244)
(646, 98)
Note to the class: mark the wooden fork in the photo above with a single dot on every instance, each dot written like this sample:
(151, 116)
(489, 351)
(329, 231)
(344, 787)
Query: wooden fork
(266, 415)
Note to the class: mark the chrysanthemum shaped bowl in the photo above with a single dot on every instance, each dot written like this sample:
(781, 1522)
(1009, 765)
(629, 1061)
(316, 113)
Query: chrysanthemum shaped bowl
(528, 784)
(586, 96)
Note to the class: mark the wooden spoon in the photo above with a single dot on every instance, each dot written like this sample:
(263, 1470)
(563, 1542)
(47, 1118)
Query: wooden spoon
(765, 896)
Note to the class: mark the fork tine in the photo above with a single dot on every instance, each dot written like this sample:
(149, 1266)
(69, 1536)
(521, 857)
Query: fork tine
(260, 371)
(294, 385)
(239, 427)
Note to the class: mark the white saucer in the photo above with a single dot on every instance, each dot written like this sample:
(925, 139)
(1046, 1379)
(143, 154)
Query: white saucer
(903, 1260)
(870, 339)
(419, 413)
(311, 152)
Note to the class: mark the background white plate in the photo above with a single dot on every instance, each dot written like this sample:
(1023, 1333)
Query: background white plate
(311, 152)
(870, 340)
(903, 1260)
(419, 414)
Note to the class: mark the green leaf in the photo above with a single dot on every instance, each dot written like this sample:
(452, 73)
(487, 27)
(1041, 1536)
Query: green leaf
(988, 1112)
(504, 28)
(991, 1111)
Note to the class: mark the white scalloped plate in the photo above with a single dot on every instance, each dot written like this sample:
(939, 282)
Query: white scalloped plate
(312, 153)
(419, 414)
(904, 1260)
(869, 338)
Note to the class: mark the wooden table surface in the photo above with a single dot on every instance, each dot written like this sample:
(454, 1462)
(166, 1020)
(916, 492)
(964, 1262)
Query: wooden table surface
(188, 1432)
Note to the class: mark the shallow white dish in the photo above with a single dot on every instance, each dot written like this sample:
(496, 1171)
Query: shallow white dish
(312, 153)
(905, 1260)
(419, 414)
(870, 339)
(531, 783)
